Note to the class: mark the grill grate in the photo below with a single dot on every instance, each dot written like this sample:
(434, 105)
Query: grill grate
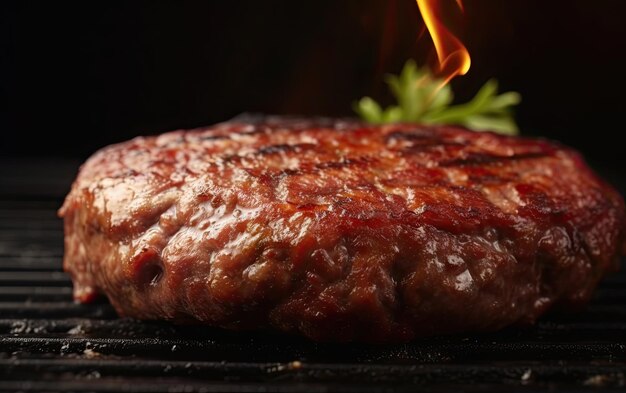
(48, 343)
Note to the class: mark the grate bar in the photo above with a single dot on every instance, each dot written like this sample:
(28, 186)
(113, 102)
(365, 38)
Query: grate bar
(122, 328)
(88, 384)
(32, 277)
(53, 310)
(510, 373)
(28, 265)
(11, 294)
(195, 348)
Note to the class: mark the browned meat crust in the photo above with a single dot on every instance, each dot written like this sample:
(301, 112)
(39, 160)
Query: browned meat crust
(339, 230)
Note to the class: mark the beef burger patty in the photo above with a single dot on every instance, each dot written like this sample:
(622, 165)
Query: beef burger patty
(340, 230)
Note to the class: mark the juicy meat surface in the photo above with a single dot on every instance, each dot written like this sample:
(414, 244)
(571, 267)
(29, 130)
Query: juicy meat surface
(339, 230)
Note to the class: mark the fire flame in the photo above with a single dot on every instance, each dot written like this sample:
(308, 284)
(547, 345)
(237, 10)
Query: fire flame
(454, 59)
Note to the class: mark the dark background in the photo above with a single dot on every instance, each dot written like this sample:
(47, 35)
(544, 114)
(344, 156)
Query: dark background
(108, 71)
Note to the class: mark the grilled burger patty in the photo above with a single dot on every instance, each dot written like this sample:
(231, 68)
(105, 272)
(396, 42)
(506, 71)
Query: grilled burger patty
(339, 230)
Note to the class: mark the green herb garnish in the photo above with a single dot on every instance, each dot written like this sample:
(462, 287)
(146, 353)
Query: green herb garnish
(422, 99)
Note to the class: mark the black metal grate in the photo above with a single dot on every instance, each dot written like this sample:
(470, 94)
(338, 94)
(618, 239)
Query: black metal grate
(49, 343)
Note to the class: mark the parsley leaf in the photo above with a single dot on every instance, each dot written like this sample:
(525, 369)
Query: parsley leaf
(421, 98)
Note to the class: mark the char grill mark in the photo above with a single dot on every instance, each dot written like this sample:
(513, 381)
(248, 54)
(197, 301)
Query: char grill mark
(422, 141)
(413, 139)
(346, 163)
(317, 168)
(267, 151)
(213, 137)
(413, 134)
(477, 159)
(282, 148)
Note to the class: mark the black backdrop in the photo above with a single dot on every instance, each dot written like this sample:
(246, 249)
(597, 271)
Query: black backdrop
(108, 70)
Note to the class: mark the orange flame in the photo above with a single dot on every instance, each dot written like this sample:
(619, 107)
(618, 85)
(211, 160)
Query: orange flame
(454, 59)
